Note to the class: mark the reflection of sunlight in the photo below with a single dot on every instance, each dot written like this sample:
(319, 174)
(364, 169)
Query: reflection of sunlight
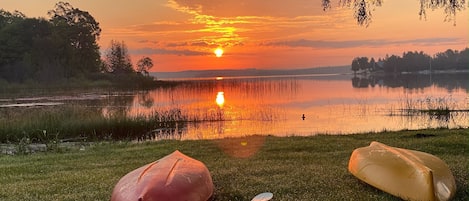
(242, 147)
(220, 99)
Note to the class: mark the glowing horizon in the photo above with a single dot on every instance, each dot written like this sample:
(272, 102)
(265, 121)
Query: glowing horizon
(182, 35)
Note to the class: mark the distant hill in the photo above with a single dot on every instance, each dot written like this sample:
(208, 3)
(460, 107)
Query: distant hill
(250, 72)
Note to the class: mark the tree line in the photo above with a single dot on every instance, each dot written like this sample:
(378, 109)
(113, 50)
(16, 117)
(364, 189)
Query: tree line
(60, 48)
(414, 62)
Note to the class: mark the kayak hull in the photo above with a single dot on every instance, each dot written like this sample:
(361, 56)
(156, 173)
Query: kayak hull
(174, 177)
(408, 174)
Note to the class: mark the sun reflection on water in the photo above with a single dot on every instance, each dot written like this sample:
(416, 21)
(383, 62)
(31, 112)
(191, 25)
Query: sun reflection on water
(220, 100)
(274, 106)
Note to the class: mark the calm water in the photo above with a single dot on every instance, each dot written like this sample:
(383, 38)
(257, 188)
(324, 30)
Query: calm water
(330, 104)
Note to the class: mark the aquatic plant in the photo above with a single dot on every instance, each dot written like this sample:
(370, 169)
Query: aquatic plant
(52, 124)
(438, 108)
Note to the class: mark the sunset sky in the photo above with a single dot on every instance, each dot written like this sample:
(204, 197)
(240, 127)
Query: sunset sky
(183, 34)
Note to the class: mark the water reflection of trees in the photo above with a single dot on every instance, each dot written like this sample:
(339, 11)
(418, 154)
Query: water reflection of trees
(145, 99)
(117, 104)
(414, 81)
(437, 112)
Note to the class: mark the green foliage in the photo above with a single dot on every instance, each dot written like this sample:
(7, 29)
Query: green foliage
(63, 49)
(80, 32)
(48, 50)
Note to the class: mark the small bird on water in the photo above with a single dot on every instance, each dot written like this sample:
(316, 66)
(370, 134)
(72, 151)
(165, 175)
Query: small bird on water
(303, 117)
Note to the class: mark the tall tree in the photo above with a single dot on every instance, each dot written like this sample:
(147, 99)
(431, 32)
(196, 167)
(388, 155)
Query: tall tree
(355, 65)
(392, 64)
(117, 59)
(18, 37)
(363, 63)
(463, 61)
(12, 37)
(10, 18)
(372, 64)
(144, 65)
(80, 31)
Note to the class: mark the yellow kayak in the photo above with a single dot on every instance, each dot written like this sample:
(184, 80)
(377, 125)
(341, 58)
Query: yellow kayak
(408, 174)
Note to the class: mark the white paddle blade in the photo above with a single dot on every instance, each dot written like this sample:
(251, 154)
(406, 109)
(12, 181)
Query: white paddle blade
(263, 197)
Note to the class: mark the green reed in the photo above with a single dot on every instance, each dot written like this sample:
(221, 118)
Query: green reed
(68, 122)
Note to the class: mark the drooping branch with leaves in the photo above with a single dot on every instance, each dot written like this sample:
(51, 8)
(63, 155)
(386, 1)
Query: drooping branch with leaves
(363, 8)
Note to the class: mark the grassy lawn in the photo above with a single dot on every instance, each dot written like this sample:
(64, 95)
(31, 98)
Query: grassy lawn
(292, 168)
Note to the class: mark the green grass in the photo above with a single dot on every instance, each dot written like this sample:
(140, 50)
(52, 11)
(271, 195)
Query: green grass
(292, 168)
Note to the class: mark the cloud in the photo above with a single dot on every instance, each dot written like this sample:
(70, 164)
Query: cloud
(162, 51)
(212, 30)
(231, 8)
(202, 44)
(176, 44)
(148, 41)
(304, 43)
(166, 26)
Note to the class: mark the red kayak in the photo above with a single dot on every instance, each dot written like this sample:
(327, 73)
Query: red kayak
(173, 177)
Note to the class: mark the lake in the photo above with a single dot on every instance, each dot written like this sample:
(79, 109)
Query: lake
(302, 105)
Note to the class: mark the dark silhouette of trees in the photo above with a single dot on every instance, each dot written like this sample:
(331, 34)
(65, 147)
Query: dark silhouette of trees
(372, 64)
(21, 46)
(363, 8)
(48, 50)
(411, 62)
(361, 63)
(117, 59)
(63, 48)
(415, 61)
(144, 65)
(463, 60)
(355, 65)
(392, 64)
(79, 32)
(451, 59)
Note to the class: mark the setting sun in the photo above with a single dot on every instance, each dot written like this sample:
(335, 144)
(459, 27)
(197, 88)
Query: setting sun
(218, 52)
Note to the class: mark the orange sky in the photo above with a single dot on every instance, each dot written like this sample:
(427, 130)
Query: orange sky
(182, 34)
